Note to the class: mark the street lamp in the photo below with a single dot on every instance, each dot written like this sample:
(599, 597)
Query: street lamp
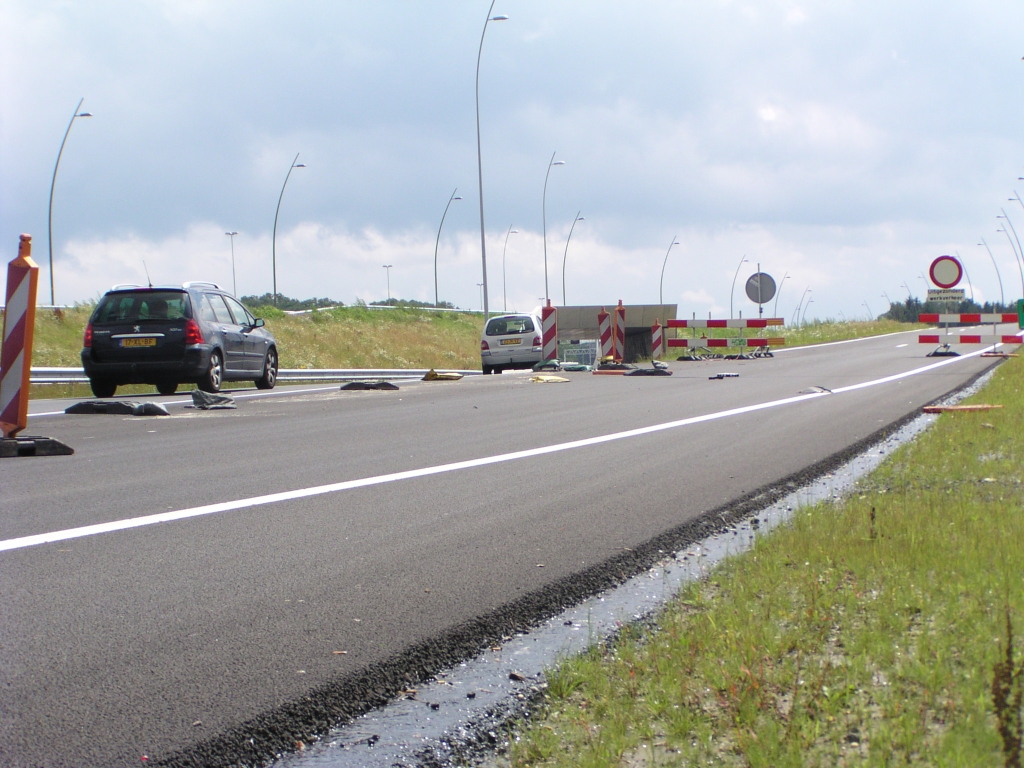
(387, 269)
(544, 221)
(504, 302)
(775, 308)
(566, 254)
(1015, 251)
(273, 239)
(53, 181)
(796, 315)
(870, 315)
(234, 285)
(661, 282)
(438, 240)
(479, 161)
(970, 285)
(1002, 297)
(803, 320)
(733, 289)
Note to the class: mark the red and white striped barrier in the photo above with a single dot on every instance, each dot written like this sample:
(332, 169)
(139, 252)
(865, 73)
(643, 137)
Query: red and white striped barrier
(16, 354)
(604, 323)
(706, 343)
(758, 322)
(619, 333)
(657, 341)
(1005, 317)
(549, 323)
(969, 338)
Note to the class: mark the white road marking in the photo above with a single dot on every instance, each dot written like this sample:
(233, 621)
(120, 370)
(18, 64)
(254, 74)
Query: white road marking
(319, 490)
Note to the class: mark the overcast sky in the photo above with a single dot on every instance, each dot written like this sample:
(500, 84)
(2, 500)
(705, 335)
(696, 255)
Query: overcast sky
(846, 144)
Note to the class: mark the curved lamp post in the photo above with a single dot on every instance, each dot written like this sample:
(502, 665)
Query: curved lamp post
(733, 289)
(661, 282)
(1002, 296)
(970, 286)
(504, 301)
(234, 285)
(1017, 252)
(387, 269)
(775, 308)
(273, 239)
(803, 320)
(544, 221)
(53, 182)
(870, 315)
(566, 254)
(796, 315)
(438, 240)
(479, 161)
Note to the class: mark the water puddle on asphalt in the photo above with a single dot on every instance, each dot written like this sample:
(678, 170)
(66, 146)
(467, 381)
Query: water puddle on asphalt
(463, 710)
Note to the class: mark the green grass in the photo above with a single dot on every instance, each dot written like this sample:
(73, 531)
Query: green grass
(866, 632)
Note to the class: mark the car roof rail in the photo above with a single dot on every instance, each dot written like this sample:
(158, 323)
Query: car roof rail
(201, 284)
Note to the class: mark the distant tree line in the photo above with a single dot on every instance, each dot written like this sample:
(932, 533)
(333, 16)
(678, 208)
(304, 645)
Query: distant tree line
(287, 302)
(907, 311)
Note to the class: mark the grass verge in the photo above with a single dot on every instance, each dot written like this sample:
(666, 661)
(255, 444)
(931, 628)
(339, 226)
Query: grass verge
(883, 629)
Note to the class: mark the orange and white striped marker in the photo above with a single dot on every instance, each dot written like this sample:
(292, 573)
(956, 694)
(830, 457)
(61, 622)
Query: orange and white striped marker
(619, 334)
(16, 353)
(606, 333)
(657, 341)
(549, 324)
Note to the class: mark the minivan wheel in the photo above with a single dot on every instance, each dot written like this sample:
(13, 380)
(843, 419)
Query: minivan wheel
(269, 377)
(214, 375)
(102, 387)
(167, 387)
(488, 369)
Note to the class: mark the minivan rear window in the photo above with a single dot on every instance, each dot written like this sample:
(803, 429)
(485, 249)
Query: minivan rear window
(499, 326)
(138, 306)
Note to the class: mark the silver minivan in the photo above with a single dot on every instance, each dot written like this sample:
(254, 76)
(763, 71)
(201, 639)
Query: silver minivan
(511, 341)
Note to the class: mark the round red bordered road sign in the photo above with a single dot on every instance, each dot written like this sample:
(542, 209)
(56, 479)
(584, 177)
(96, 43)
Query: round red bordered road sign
(946, 272)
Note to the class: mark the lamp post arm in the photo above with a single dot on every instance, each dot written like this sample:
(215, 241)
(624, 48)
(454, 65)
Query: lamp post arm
(733, 289)
(1002, 296)
(964, 267)
(544, 224)
(1021, 251)
(565, 256)
(775, 308)
(661, 282)
(437, 242)
(479, 161)
(273, 237)
(53, 183)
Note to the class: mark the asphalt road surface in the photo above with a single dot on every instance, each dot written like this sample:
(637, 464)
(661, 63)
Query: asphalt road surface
(480, 504)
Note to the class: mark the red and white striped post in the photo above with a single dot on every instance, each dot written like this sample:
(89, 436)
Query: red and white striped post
(606, 333)
(619, 333)
(549, 323)
(16, 353)
(657, 341)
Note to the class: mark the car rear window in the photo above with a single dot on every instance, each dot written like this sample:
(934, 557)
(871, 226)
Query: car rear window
(141, 305)
(500, 326)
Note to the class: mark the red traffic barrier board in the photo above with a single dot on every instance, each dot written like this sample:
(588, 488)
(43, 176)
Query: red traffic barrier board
(604, 323)
(937, 338)
(619, 333)
(707, 343)
(757, 322)
(1006, 317)
(16, 354)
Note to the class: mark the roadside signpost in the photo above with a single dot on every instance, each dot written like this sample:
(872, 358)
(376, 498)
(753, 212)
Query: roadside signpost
(760, 288)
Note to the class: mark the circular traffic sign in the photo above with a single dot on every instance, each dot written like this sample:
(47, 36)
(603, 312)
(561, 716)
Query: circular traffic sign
(760, 287)
(946, 272)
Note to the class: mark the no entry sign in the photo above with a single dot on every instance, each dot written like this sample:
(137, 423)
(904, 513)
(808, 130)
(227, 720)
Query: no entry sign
(945, 272)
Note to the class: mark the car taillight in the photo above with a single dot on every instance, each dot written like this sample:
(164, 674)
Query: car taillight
(536, 341)
(484, 346)
(87, 341)
(193, 335)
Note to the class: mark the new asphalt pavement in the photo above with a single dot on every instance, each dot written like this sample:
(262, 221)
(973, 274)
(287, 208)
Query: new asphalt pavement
(326, 548)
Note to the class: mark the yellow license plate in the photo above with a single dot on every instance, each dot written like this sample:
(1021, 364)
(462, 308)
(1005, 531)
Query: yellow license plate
(147, 342)
(510, 341)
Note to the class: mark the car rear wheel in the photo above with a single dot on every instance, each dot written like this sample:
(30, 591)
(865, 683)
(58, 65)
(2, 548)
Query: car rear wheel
(269, 377)
(167, 387)
(488, 369)
(103, 387)
(214, 375)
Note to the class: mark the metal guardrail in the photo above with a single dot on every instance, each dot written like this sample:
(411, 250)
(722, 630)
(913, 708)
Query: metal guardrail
(77, 375)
